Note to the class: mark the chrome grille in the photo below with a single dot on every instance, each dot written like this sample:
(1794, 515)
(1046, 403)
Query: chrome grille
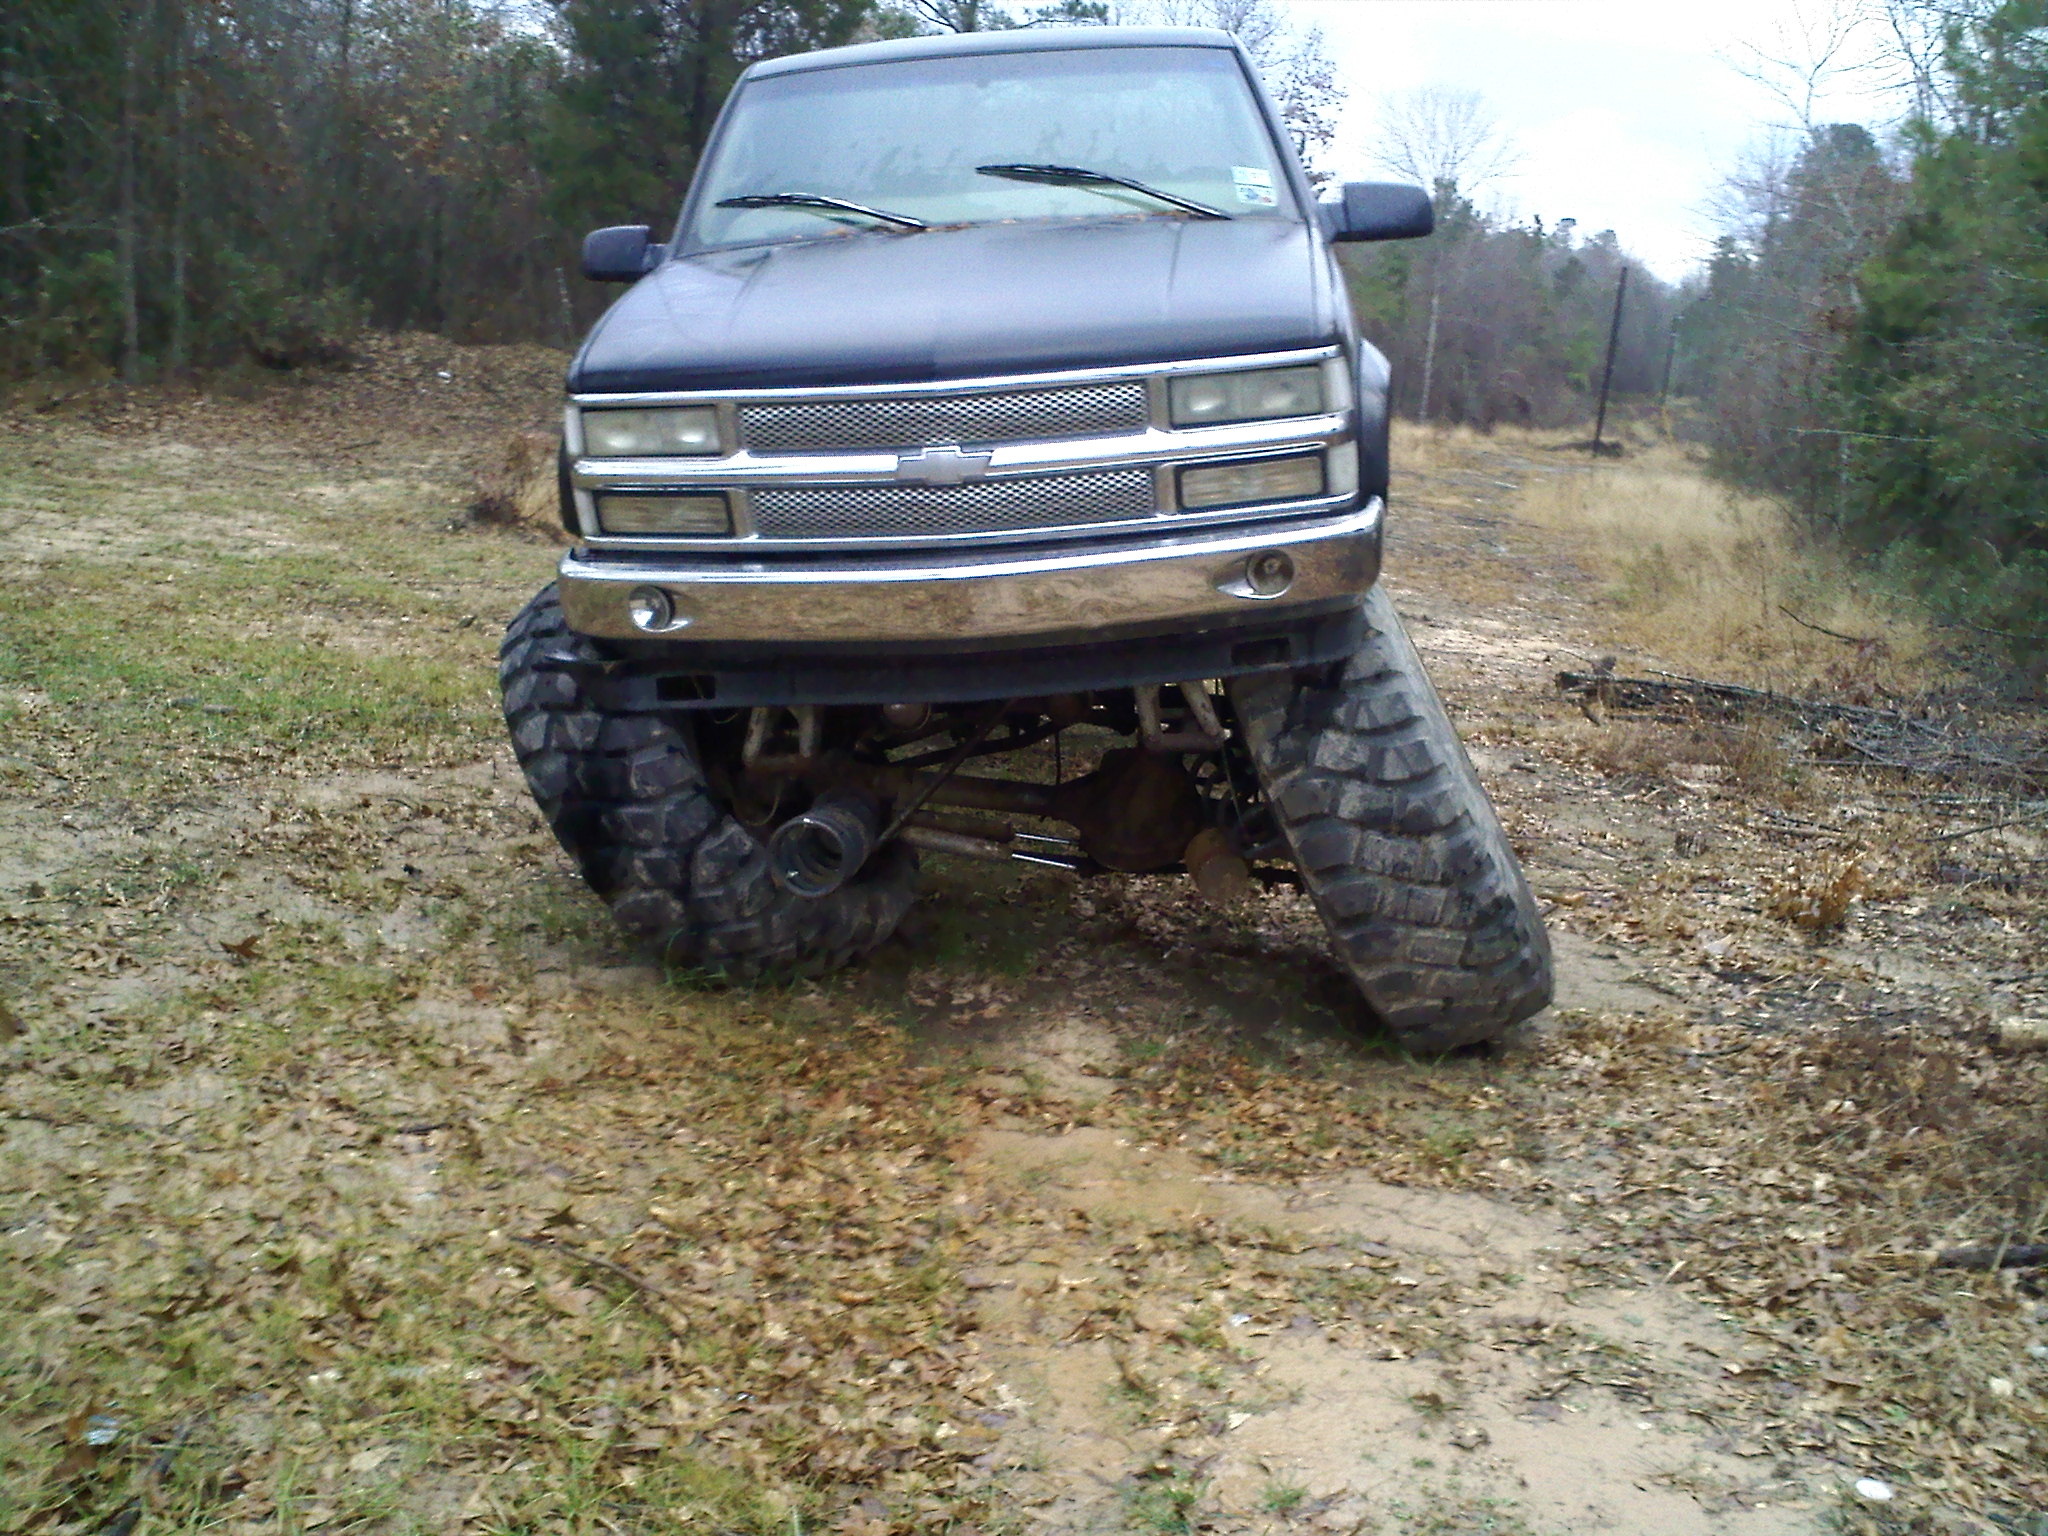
(984, 506)
(910, 423)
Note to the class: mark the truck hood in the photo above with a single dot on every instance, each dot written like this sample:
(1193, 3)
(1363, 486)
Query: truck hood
(955, 303)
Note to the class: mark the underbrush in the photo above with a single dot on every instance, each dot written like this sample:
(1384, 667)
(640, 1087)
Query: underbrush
(1750, 755)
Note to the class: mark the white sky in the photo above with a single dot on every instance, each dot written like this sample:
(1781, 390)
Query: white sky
(1629, 113)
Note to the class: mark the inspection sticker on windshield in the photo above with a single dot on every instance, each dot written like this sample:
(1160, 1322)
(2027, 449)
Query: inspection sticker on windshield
(1254, 185)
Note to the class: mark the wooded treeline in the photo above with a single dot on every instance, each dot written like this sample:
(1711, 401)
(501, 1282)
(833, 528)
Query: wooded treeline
(186, 181)
(190, 179)
(1871, 338)
(1495, 321)
(1868, 342)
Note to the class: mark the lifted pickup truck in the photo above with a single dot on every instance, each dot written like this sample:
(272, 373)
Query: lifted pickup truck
(998, 396)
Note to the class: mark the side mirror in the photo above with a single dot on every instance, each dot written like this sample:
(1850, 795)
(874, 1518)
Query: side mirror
(620, 254)
(1379, 210)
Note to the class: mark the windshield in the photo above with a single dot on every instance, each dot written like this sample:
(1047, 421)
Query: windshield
(908, 138)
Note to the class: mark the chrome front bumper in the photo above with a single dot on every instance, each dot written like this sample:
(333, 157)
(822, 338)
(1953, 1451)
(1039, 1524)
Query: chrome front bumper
(1187, 578)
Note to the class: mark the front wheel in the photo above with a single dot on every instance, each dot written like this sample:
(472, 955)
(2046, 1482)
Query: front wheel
(1397, 843)
(628, 797)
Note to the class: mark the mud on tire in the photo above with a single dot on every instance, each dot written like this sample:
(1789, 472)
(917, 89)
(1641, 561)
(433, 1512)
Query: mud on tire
(626, 796)
(1397, 843)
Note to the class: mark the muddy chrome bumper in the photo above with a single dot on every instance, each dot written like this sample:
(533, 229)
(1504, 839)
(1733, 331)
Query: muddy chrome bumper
(1204, 580)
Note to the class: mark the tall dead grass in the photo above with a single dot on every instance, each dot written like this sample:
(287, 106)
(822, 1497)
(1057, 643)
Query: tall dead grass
(1704, 579)
(518, 491)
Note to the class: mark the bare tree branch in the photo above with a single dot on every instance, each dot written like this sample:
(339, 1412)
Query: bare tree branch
(1819, 49)
(1436, 135)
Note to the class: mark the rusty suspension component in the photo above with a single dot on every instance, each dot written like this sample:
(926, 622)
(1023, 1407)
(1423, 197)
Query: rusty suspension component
(1003, 844)
(1139, 812)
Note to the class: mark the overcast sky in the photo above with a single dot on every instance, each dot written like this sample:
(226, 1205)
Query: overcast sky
(1629, 113)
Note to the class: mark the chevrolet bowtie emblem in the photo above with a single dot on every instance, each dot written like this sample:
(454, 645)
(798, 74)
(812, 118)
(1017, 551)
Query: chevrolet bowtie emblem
(944, 465)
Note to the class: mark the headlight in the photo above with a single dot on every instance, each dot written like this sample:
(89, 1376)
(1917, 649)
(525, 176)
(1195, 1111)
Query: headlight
(1250, 481)
(691, 431)
(1258, 394)
(703, 513)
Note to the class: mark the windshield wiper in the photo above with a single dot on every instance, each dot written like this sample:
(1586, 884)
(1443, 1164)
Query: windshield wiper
(818, 203)
(1078, 176)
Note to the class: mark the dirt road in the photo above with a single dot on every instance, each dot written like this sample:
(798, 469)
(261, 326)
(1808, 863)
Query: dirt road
(356, 1177)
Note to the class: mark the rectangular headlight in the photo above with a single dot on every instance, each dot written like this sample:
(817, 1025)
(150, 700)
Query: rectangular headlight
(703, 513)
(1251, 481)
(1257, 394)
(689, 431)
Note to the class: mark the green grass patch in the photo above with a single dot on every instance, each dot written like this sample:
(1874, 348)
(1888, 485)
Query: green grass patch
(144, 676)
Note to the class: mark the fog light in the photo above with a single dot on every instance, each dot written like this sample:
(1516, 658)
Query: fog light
(1270, 574)
(1262, 577)
(653, 611)
(1251, 481)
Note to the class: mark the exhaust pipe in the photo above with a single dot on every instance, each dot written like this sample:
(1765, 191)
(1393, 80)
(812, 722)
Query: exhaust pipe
(818, 852)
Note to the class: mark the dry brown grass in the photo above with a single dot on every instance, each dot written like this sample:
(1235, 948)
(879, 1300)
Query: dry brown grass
(519, 491)
(1794, 1142)
(1750, 755)
(1700, 577)
(1818, 894)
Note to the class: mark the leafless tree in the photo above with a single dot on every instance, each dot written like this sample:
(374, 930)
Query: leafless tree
(1436, 135)
(959, 15)
(1293, 60)
(1915, 41)
(1259, 24)
(1822, 50)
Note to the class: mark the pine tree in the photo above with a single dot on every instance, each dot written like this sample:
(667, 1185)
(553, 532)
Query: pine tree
(1949, 370)
(648, 76)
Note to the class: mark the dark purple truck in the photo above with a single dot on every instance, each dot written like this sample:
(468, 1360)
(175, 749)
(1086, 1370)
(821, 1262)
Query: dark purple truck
(994, 387)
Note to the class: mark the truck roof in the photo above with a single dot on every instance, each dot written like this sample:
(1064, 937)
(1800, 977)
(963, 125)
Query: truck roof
(1023, 40)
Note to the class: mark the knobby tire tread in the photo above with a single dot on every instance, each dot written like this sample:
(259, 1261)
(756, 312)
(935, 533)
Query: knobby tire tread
(1397, 843)
(627, 799)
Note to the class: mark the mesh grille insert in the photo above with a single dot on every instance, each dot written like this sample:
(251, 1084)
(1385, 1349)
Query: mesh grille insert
(986, 506)
(910, 423)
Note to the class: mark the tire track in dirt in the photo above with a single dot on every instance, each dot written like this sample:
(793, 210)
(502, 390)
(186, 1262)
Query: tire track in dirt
(1479, 1403)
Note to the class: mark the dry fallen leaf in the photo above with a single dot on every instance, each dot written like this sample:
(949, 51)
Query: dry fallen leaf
(568, 1299)
(2024, 1034)
(1157, 1317)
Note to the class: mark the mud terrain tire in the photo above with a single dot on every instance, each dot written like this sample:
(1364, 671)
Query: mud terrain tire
(627, 798)
(1397, 843)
